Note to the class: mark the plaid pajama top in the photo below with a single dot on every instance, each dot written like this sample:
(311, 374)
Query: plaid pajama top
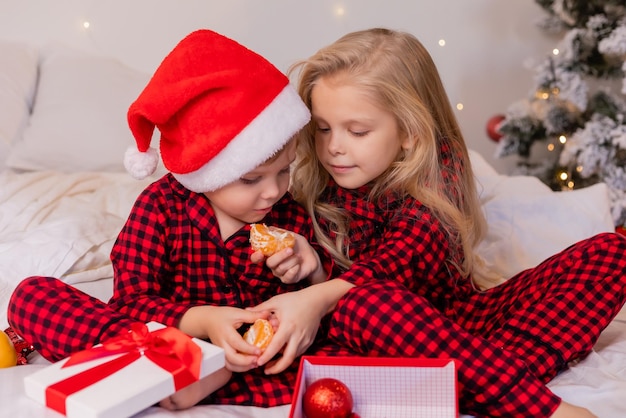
(169, 256)
(398, 239)
(508, 341)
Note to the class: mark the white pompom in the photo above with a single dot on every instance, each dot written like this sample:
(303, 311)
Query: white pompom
(140, 164)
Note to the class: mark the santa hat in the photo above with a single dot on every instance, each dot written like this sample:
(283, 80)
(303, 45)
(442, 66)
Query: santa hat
(221, 109)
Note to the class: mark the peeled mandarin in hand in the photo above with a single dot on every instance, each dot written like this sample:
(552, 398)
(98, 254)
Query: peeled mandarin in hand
(269, 239)
(8, 355)
(259, 334)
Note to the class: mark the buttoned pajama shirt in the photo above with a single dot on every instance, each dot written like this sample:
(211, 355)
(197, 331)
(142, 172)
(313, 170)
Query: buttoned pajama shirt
(168, 257)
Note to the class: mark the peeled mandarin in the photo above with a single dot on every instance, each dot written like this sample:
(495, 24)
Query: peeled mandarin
(8, 355)
(270, 239)
(259, 334)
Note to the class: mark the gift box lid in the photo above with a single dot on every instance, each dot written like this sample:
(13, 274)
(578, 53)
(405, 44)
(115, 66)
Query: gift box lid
(386, 387)
(123, 393)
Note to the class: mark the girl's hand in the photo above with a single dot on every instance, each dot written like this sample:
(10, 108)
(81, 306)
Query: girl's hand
(298, 319)
(219, 324)
(298, 315)
(294, 264)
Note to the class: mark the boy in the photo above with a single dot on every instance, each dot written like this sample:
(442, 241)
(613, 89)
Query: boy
(226, 118)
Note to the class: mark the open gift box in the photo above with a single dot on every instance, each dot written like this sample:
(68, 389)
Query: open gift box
(123, 376)
(385, 387)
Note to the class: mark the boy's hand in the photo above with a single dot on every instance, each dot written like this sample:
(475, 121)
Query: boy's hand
(294, 264)
(219, 324)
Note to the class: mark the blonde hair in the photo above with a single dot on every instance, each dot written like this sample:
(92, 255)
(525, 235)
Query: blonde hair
(398, 74)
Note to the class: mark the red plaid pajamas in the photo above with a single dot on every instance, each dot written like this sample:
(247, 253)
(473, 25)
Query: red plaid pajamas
(168, 257)
(409, 302)
(508, 341)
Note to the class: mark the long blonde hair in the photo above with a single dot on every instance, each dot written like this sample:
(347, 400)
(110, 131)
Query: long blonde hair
(398, 74)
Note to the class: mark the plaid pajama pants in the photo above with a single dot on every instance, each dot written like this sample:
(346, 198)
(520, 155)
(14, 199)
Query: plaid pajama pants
(508, 341)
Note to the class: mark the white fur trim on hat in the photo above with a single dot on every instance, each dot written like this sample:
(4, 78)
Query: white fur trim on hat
(140, 164)
(256, 143)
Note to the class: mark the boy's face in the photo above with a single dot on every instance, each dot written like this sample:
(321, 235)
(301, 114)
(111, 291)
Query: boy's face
(250, 198)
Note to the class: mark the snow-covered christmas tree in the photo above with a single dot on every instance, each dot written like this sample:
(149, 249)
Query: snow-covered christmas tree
(571, 130)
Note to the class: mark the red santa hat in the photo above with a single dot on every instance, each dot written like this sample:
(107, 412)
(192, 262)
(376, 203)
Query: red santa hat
(221, 109)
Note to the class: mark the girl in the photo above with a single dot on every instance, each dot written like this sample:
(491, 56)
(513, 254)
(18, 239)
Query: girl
(182, 258)
(384, 170)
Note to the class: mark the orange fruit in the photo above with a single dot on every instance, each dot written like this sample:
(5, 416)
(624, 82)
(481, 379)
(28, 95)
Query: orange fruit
(259, 334)
(270, 239)
(8, 355)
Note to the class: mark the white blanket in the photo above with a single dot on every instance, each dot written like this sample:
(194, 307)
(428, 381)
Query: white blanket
(60, 225)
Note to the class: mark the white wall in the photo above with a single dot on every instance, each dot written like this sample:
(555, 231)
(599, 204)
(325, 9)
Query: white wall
(482, 63)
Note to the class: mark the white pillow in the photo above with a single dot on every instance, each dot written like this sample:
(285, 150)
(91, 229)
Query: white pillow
(79, 116)
(18, 78)
(528, 222)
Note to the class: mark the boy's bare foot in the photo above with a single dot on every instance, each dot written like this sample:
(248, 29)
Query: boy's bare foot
(194, 393)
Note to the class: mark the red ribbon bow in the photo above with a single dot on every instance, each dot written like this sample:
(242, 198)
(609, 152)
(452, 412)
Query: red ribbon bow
(168, 348)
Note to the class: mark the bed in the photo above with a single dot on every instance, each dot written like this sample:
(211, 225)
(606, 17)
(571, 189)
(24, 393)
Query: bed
(64, 196)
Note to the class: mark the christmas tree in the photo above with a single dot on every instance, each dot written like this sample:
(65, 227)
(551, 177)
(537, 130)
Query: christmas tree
(571, 130)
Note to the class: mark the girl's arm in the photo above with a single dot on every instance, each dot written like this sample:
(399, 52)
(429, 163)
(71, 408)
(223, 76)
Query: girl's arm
(299, 315)
(412, 250)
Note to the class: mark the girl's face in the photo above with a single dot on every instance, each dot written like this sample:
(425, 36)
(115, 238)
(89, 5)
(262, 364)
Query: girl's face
(250, 198)
(355, 140)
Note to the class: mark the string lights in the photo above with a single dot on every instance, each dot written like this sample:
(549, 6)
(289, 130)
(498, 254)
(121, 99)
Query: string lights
(576, 109)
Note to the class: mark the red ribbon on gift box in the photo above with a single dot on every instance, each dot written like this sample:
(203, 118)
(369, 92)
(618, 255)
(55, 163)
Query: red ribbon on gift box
(168, 348)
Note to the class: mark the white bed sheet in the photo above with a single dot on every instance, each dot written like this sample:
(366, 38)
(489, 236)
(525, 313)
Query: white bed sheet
(60, 225)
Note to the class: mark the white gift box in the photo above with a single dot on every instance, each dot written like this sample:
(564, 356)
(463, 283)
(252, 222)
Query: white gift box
(127, 391)
(386, 387)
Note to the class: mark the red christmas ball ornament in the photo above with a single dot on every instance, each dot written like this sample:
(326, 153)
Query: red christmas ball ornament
(327, 398)
(493, 126)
